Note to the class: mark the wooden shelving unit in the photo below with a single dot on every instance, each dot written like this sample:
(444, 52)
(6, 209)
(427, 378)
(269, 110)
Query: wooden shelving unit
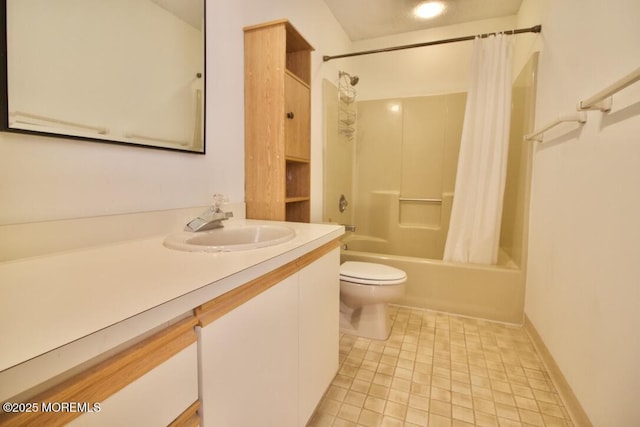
(277, 122)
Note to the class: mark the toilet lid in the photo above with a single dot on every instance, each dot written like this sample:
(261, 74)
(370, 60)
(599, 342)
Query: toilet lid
(371, 273)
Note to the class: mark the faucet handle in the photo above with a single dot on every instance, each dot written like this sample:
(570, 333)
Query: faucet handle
(219, 200)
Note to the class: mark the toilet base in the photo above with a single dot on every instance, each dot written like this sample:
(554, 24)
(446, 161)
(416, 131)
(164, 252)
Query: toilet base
(367, 321)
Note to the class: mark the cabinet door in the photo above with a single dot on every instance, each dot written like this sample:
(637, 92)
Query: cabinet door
(156, 398)
(249, 362)
(149, 383)
(297, 128)
(319, 330)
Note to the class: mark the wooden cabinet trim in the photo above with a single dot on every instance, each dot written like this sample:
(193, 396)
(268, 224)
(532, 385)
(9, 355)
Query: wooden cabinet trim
(97, 383)
(312, 256)
(282, 21)
(189, 418)
(219, 306)
(296, 41)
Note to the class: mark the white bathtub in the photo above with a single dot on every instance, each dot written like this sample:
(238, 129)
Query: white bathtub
(488, 292)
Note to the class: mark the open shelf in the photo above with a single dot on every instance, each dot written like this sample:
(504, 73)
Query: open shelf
(298, 183)
(298, 211)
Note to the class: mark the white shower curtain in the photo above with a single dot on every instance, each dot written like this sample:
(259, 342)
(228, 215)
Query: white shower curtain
(474, 228)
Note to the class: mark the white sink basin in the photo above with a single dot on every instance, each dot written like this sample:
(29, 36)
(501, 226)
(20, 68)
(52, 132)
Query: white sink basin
(230, 238)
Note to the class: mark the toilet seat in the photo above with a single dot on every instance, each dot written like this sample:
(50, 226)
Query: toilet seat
(368, 273)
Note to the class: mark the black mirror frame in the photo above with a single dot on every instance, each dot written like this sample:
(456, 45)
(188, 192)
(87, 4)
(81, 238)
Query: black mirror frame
(4, 96)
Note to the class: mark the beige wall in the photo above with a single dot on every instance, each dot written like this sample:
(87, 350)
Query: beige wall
(583, 281)
(425, 71)
(47, 179)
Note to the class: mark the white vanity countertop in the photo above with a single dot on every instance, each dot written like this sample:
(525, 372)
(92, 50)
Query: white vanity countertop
(49, 301)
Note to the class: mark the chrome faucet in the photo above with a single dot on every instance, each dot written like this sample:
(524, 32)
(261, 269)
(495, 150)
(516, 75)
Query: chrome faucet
(211, 218)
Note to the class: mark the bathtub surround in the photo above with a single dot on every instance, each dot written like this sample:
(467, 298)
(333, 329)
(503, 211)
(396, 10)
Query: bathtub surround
(406, 150)
(419, 160)
(399, 173)
(515, 212)
(474, 228)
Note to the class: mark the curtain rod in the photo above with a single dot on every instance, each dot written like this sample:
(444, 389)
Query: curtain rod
(534, 29)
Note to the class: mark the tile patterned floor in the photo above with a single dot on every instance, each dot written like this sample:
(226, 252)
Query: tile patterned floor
(438, 369)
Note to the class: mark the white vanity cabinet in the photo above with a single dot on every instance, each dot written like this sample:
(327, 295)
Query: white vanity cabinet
(319, 299)
(269, 349)
(250, 362)
(166, 395)
(177, 339)
(153, 382)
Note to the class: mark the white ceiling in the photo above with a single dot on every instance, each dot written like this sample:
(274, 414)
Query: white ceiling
(365, 19)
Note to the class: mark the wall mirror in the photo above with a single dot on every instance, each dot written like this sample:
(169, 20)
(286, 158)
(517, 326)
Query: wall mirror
(120, 71)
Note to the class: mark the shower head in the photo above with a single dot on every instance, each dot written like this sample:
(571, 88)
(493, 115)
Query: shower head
(353, 80)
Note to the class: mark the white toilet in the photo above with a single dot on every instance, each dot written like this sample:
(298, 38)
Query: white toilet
(365, 291)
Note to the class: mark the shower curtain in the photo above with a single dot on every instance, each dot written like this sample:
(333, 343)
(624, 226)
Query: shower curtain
(476, 214)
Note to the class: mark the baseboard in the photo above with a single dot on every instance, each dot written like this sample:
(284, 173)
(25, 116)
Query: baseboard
(574, 408)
